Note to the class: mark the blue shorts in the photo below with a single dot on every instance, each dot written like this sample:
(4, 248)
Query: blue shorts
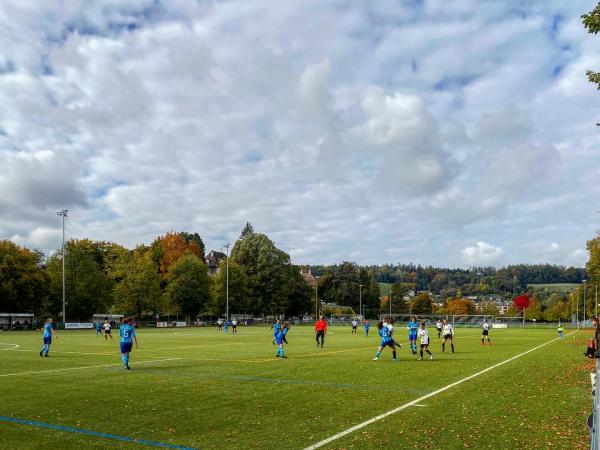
(386, 343)
(412, 337)
(47, 340)
(279, 340)
(126, 347)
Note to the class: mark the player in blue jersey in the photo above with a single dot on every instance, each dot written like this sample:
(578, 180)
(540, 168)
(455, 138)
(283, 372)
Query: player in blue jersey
(276, 328)
(413, 328)
(128, 337)
(386, 340)
(98, 329)
(48, 333)
(280, 339)
(366, 325)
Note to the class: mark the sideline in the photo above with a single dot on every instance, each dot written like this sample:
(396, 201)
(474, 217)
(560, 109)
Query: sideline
(115, 437)
(420, 399)
(35, 372)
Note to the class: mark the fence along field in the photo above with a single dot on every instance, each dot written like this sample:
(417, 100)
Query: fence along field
(198, 388)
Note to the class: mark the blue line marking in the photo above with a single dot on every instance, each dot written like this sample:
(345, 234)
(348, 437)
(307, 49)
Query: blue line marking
(92, 433)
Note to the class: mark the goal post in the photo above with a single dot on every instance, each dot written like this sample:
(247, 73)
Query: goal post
(456, 320)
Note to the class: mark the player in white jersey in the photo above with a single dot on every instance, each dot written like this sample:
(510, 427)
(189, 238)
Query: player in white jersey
(438, 327)
(106, 327)
(390, 327)
(448, 335)
(485, 333)
(354, 326)
(424, 340)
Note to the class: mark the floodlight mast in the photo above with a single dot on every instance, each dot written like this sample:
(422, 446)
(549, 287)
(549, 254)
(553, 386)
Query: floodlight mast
(63, 213)
(227, 284)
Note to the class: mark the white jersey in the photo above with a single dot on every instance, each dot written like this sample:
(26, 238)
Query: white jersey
(390, 327)
(219, 322)
(354, 323)
(234, 323)
(486, 326)
(438, 325)
(424, 335)
(447, 330)
(106, 326)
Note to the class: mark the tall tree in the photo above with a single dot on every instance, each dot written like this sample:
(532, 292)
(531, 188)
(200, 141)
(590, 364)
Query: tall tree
(301, 295)
(88, 288)
(169, 248)
(591, 21)
(194, 243)
(23, 283)
(188, 285)
(268, 270)
(138, 288)
(239, 301)
(342, 286)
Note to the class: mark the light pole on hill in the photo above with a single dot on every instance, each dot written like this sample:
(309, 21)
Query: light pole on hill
(390, 303)
(316, 297)
(227, 285)
(584, 284)
(360, 301)
(63, 213)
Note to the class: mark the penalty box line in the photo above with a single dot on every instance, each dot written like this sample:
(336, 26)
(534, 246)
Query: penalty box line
(35, 372)
(425, 397)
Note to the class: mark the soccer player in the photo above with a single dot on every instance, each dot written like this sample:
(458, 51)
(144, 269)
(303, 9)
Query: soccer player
(448, 335)
(354, 326)
(281, 339)
(386, 340)
(226, 325)
(413, 329)
(106, 327)
(561, 330)
(48, 333)
(390, 326)
(128, 337)
(438, 327)
(366, 326)
(234, 326)
(276, 327)
(485, 333)
(98, 329)
(424, 339)
(220, 324)
(321, 329)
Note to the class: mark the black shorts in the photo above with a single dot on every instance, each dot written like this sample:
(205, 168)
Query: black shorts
(320, 333)
(234, 326)
(484, 332)
(354, 327)
(447, 336)
(106, 331)
(425, 345)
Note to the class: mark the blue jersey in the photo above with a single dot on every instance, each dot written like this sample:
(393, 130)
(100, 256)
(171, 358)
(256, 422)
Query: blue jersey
(127, 332)
(98, 326)
(413, 328)
(282, 332)
(48, 330)
(367, 325)
(276, 328)
(384, 332)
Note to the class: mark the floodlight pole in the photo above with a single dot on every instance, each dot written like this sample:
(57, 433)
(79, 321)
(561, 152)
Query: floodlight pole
(360, 301)
(63, 213)
(390, 303)
(584, 284)
(227, 284)
(316, 297)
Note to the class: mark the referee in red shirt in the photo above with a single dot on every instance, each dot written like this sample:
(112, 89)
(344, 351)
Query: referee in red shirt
(321, 328)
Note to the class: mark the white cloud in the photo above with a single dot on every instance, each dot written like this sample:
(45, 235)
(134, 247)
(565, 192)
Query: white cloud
(373, 131)
(481, 253)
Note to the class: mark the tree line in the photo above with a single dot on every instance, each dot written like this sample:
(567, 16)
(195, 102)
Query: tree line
(170, 276)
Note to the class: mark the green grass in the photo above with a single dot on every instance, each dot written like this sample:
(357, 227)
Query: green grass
(385, 288)
(555, 287)
(229, 391)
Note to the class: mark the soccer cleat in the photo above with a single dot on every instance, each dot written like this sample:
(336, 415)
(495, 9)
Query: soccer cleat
(420, 358)
(46, 355)
(41, 353)
(285, 357)
(394, 360)
(430, 356)
(127, 367)
(375, 359)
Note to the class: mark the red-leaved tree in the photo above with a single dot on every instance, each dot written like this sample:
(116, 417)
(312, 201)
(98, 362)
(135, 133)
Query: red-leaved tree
(522, 301)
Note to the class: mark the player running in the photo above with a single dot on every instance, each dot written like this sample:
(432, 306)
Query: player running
(438, 327)
(98, 329)
(128, 337)
(424, 339)
(386, 340)
(413, 329)
(280, 339)
(366, 326)
(106, 327)
(48, 333)
(321, 329)
(276, 327)
(448, 335)
(354, 326)
(485, 333)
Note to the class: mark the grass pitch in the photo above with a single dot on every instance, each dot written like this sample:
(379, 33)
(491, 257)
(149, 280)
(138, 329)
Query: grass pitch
(198, 388)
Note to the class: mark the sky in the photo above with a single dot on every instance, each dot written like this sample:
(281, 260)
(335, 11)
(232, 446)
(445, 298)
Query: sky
(441, 133)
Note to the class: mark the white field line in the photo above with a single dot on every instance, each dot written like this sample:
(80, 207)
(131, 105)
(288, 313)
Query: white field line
(35, 372)
(425, 397)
